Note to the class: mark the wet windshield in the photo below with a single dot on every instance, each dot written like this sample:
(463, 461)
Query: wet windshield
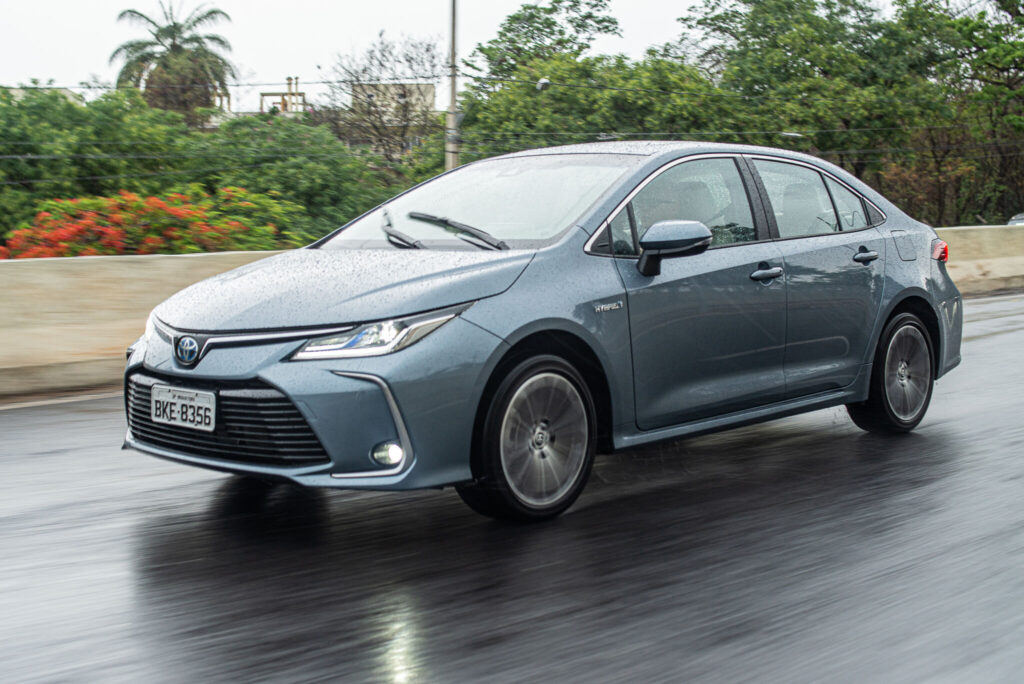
(522, 201)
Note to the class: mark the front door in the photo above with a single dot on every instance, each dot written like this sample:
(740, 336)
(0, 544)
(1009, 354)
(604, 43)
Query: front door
(707, 338)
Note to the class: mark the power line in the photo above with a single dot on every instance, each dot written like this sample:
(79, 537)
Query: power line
(931, 148)
(286, 152)
(875, 160)
(498, 135)
(349, 82)
(496, 79)
(218, 155)
(269, 153)
(689, 93)
(471, 145)
(495, 135)
(69, 179)
(892, 152)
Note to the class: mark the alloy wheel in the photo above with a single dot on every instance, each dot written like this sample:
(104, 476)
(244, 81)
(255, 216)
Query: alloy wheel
(907, 372)
(544, 439)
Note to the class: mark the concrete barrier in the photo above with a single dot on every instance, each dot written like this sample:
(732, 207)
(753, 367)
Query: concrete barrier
(67, 322)
(984, 259)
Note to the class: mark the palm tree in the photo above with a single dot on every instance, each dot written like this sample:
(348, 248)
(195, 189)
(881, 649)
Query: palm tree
(179, 68)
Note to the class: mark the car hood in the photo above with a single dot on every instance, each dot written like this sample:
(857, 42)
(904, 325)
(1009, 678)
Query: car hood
(313, 287)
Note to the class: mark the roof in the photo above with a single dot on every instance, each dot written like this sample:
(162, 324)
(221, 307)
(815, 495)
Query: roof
(659, 152)
(644, 148)
(648, 148)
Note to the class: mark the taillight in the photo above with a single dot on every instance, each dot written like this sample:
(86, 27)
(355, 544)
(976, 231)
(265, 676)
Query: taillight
(940, 250)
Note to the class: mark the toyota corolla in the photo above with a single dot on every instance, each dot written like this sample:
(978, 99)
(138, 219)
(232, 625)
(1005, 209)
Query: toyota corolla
(492, 328)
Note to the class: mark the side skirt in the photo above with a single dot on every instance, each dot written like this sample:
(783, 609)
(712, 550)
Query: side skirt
(855, 391)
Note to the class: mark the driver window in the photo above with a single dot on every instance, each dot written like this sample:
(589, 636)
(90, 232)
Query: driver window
(707, 190)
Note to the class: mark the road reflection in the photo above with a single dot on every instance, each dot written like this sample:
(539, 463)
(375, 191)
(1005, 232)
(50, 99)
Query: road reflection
(691, 546)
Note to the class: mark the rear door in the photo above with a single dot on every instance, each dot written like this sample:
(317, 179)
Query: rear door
(707, 338)
(835, 268)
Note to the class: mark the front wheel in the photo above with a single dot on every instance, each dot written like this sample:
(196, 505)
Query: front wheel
(902, 378)
(536, 445)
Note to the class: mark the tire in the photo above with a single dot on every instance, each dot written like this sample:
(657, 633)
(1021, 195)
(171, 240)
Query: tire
(536, 444)
(902, 379)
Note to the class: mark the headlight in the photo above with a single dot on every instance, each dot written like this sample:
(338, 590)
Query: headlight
(376, 339)
(146, 334)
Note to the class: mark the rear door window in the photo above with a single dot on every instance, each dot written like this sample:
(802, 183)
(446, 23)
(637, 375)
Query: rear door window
(849, 206)
(798, 198)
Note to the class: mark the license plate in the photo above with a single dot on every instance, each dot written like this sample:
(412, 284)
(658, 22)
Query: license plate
(185, 408)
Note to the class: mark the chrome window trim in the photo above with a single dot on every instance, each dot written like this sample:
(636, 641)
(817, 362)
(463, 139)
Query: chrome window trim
(396, 416)
(815, 167)
(588, 246)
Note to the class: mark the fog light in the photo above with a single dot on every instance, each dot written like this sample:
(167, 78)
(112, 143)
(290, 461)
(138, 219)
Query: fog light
(388, 453)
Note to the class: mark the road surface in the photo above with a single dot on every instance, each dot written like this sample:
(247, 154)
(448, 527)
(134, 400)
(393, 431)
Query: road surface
(797, 550)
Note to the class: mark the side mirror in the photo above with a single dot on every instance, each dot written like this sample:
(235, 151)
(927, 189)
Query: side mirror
(671, 239)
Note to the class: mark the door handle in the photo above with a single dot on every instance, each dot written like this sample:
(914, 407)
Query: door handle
(766, 273)
(864, 256)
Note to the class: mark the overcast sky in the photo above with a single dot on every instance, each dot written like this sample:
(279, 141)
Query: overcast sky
(70, 41)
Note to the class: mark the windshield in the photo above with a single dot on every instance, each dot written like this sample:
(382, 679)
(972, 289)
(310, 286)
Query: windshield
(522, 201)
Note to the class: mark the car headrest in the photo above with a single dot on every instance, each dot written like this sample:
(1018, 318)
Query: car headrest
(698, 204)
(800, 194)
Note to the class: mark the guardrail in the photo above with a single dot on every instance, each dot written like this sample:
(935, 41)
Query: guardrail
(67, 322)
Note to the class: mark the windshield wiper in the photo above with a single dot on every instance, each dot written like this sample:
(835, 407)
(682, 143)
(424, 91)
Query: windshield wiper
(396, 236)
(460, 228)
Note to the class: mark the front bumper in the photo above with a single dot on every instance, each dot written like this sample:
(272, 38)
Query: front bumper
(423, 397)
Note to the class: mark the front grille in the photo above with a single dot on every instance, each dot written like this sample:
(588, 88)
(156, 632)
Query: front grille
(255, 424)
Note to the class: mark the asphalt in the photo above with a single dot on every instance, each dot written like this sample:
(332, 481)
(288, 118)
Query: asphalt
(796, 550)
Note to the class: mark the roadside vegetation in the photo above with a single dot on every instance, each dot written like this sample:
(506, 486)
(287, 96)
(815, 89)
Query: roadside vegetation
(924, 102)
(188, 221)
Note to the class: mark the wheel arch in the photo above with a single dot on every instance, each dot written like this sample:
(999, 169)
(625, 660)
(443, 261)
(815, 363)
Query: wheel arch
(918, 303)
(558, 342)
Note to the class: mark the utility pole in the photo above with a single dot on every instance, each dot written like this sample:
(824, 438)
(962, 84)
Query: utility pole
(451, 134)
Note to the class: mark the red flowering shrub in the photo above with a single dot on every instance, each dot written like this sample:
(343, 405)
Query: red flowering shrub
(189, 221)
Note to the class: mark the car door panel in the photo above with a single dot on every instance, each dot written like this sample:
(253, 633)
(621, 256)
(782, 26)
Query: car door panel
(833, 303)
(835, 267)
(707, 338)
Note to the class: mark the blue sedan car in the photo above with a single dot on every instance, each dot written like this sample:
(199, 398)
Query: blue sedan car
(494, 327)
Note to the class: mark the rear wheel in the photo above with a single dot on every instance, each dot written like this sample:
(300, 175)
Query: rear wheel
(536, 445)
(902, 378)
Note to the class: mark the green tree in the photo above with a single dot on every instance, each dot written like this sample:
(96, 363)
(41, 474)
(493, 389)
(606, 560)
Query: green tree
(294, 161)
(180, 68)
(835, 68)
(560, 27)
(51, 146)
(659, 96)
(992, 53)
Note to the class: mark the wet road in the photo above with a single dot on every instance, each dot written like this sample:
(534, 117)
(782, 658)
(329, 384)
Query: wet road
(796, 550)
